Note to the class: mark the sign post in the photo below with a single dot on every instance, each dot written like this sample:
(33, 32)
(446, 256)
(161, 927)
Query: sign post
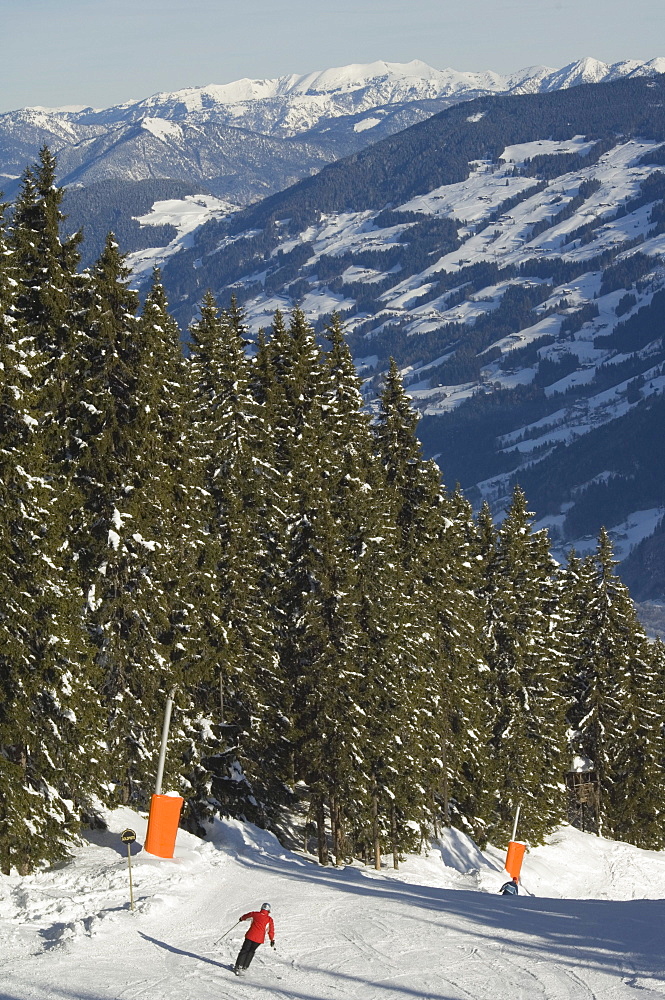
(128, 837)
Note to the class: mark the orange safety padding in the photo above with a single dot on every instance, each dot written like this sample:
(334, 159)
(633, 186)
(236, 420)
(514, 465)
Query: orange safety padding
(514, 858)
(163, 825)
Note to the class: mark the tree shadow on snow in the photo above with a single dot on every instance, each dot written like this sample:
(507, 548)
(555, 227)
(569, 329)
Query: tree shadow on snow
(106, 838)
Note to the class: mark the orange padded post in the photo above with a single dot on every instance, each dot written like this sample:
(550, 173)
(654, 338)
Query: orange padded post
(514, 858)
(163, 825)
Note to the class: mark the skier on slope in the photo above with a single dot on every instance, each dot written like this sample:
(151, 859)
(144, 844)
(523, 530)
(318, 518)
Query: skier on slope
(509, 888)
(256, 935)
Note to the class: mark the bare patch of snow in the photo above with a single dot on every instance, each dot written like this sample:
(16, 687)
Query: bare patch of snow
(365, 124)
(162, 129)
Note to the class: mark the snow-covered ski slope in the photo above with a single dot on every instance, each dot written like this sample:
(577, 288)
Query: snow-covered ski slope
(435, 930)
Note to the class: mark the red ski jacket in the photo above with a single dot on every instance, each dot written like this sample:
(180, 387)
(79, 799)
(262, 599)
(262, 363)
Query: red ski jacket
(261, 920)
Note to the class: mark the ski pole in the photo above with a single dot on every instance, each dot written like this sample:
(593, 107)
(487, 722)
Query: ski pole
(219, 940)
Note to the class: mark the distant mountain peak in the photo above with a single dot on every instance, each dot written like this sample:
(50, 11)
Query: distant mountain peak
(389, 81)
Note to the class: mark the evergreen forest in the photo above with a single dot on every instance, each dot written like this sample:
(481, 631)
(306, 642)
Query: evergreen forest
(341, 633)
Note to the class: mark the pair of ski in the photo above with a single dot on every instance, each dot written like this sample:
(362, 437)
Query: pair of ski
(241, 972)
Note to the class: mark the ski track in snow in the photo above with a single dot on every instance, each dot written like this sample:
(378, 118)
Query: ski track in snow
(435, 930)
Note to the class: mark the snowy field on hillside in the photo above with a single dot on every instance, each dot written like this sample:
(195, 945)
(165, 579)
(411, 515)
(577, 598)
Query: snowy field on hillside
(591, 925)
(185, 215)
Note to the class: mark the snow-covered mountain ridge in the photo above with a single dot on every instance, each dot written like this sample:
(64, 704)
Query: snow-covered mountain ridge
(244, 140)
(306, 98)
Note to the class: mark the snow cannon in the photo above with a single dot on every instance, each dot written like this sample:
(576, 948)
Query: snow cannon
(163, 824)
(164, 809)
(514, 858)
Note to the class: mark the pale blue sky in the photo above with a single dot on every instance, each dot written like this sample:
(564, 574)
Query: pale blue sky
(101, 52)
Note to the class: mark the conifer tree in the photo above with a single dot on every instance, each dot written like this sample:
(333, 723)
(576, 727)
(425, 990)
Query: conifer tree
(617, 726)
(362, 714)
(45, 267)
(234, 473)
(300, 582)
(529, 738)
(462, 717)
(169, 512)
(112, 449)
(48, 723)
(418, 673)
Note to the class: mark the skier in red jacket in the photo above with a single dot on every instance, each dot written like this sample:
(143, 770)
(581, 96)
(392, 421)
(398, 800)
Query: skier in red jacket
(256, 935)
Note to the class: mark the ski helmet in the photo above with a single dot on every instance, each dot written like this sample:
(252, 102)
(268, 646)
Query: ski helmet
(265, 906)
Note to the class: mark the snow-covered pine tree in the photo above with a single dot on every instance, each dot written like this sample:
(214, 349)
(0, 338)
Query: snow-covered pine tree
(48, 716)
(170, 508)
(19, 679)
(46, 266)
(234, 476)
(462, 715)
(616, 718)
(308, 622)
(417, 502)
(113, 451)
(529, 748)
(366, 720)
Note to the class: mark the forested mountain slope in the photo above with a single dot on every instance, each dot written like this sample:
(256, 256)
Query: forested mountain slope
(508, 253)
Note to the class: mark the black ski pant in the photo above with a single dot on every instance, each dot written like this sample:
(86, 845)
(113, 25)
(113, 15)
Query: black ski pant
(246, 953)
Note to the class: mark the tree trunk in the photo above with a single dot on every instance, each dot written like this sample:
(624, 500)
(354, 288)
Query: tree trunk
(393, 835)
(332, 809)
(375, 833)
(307, 830)
(446, 806)
(322, 840)
(337, 830)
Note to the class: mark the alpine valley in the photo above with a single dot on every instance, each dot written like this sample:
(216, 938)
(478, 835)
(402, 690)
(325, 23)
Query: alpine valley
(508, 253)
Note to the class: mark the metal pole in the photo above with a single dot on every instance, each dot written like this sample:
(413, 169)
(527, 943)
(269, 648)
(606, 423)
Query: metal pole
(517, 818)
(165, 736)
(226, 933)
(131, 886)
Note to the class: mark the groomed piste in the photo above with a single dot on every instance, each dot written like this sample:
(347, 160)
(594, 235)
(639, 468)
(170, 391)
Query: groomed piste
(589, 922)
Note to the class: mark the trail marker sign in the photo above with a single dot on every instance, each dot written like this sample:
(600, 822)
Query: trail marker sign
(128, 837)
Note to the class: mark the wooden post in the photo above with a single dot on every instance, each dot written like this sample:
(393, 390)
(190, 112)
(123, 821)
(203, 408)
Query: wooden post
(333, 827)
(322, 840)
(128, 837)
(307, 830)
(131, 883)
